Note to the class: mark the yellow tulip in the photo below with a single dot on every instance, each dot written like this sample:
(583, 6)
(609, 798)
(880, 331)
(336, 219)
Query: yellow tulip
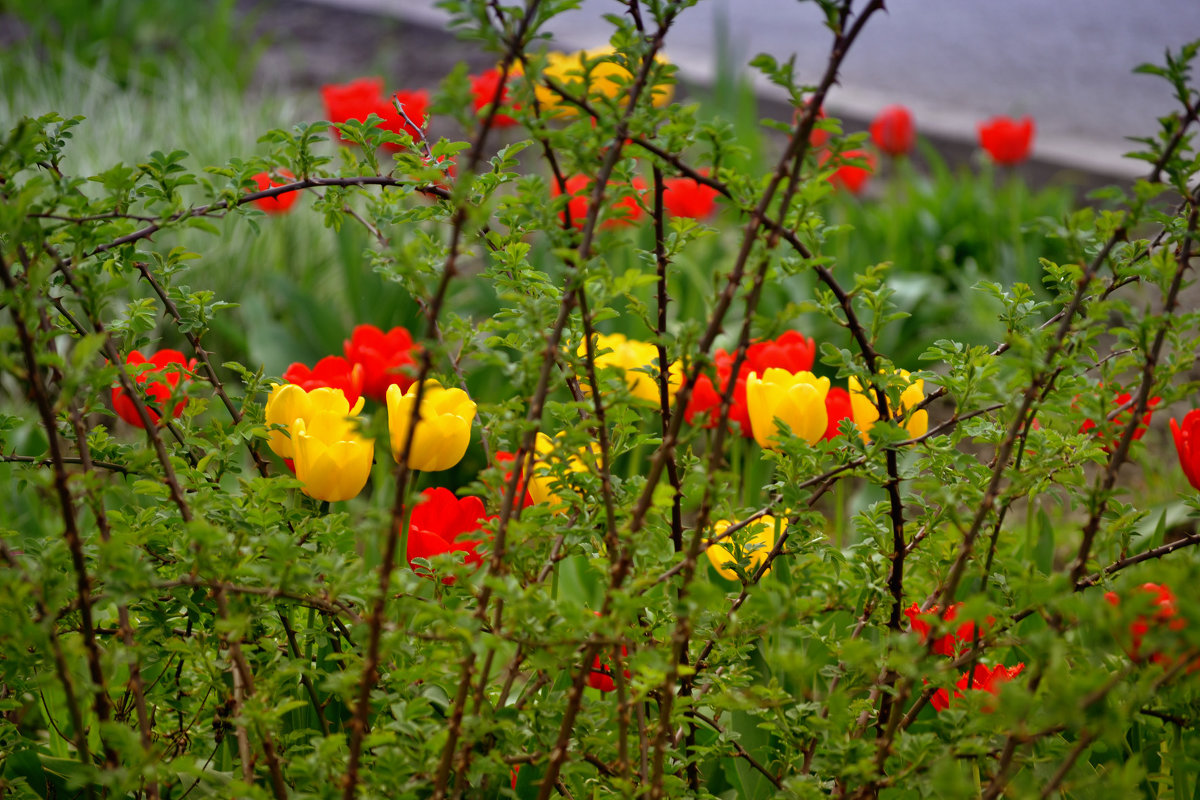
(543, 479)
(443, 428)
(332, 459)
(288, 402)
(866, 413)
(606, 79)
(638, 360)
(796, 399)
(753, 549)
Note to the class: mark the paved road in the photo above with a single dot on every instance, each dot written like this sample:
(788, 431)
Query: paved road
(953, 62)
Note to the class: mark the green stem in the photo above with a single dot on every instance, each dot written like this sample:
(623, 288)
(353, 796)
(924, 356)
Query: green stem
(1179, 778)
(417, 475)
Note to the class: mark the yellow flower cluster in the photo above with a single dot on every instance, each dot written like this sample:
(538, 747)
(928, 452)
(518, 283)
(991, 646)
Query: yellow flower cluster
(638, 360)
(606, 78)
(752, 544)
(333, 460)
(542, 480)
(799, 400)
(866, 412)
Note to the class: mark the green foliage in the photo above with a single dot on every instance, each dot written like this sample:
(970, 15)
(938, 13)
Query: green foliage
(133, 39)
(178, 618)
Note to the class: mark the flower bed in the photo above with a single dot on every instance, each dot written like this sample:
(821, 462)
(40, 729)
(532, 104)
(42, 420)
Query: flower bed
(710, 470)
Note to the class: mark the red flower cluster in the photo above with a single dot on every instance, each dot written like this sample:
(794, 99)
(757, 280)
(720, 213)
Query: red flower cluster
(279, 204)
(579, 188)
(483, 89)
(981, 678)
(952, 644)
(385, 359)
(1006, 140)
(682, 197)
(373, 361)
(439, 524)
(791, 351)
(1165, 617)
(363, 97)
(1109, 432)
(157, 384)
(1187, 444)
(893, 131)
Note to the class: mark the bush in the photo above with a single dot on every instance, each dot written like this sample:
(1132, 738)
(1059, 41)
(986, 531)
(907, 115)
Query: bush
(884, 562)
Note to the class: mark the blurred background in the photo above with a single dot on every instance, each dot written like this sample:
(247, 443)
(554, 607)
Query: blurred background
(1066, 63)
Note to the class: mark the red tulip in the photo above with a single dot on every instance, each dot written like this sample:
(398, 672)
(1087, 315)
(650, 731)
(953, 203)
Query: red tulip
(601, 675)
(385, 358)
(703, 400)
(1187, 444)
(334, 372)
(791, 351)
(853, 177)
(1006, 140)
(1109, 432)
(685, 197)
(625, 211)
(438, 524)
(952, 643)
(359, 99)
(504, 459)
(354, 100)
(981, 678)
(280, 203)
(483, 88)
(157, 384)
(837, 408)
(1166, 613)
(893, 131)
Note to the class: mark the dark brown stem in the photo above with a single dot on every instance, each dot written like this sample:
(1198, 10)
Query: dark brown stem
(136, 683)
(601, 429)
(1140, 401)
(61, 667)
(274, 191)
(205, 361)
(664, 374)
(83, 582)
(1003, 454)
(246, 677)
(45, 462)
